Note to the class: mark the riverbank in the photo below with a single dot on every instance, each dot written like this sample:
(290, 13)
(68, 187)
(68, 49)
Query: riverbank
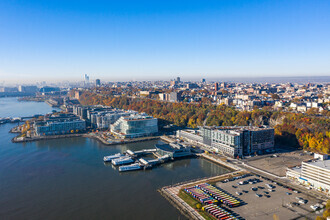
(108, 141)
(32, 99)
(18, 139)
(122, 141)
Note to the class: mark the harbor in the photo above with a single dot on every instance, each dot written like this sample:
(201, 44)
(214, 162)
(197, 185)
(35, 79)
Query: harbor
(135, 160)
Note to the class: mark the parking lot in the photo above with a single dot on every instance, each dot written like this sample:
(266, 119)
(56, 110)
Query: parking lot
(278, 165)
(264, 201)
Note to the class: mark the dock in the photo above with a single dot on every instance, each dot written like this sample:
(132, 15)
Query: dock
(154, 162)
(132, 160)
(140, 152)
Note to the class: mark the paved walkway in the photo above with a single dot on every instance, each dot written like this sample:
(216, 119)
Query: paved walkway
(173, 191)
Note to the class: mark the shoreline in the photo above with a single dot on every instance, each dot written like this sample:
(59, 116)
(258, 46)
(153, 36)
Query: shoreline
(123, 141)
(18, 139)
(170, 193)
(24, 139)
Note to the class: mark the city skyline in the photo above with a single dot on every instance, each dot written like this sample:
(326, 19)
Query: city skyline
(148, 40)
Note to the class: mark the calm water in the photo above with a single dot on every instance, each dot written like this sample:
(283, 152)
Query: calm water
(67, 179)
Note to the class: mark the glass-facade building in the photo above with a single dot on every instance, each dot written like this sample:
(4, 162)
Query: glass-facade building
(135, 126)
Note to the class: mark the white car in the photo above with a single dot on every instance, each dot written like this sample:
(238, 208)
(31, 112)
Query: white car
(315, 207)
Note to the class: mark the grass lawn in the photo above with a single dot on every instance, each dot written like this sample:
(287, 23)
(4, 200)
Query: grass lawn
(193, 202)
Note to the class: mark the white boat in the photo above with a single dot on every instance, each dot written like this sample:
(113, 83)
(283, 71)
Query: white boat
(134, 166)
(112, 157)
(122, 160)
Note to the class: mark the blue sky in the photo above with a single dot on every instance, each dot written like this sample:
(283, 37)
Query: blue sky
(113, 40)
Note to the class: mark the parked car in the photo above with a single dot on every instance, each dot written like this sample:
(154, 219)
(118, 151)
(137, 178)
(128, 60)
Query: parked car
(315, 207)
(302, 201)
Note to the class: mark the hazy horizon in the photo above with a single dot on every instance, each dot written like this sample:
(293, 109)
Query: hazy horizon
(287, 79)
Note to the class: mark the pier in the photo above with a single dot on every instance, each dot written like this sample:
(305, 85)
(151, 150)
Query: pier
(16, 119)
(156, 161)
(132, 160)
(140, 152)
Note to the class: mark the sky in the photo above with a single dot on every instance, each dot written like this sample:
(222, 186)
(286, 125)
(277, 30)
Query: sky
(137, 40)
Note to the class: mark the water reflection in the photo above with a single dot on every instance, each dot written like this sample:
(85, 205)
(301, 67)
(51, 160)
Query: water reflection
(67, 179)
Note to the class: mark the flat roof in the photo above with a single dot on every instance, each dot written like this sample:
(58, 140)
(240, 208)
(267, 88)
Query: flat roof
(325, 164)
(165, 147)
(238, 128)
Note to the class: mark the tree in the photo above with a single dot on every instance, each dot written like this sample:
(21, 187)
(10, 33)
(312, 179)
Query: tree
(275, 96)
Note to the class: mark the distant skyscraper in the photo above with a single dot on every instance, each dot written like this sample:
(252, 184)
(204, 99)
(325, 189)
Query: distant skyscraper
(178, 79)
(216, 86)
(97, 82)
(203, 80)
(86, 78)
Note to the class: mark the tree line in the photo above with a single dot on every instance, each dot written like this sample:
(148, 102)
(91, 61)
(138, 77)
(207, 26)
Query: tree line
(292, 129)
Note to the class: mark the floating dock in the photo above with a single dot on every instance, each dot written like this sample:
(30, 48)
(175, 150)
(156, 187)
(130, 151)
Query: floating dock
(131, 160)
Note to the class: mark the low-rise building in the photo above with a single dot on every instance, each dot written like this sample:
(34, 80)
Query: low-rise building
(59, 127)
(315, 173)
(173, 150)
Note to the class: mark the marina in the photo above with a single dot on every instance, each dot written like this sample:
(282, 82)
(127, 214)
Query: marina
(133, 160)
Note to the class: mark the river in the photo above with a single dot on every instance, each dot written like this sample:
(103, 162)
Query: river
(67, 178)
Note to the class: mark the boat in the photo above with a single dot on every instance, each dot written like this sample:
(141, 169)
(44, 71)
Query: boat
(122, 160)
(134, 166)
(112, 157)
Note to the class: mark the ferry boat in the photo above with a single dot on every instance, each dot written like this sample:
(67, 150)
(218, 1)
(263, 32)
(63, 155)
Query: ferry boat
(112, 157)
(134, 166)
(122, 160)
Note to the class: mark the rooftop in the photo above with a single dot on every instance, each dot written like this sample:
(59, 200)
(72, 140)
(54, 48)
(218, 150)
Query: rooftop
(137, 117)
(239, 128)
(325, 164)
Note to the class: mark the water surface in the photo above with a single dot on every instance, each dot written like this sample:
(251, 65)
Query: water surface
(67, 179)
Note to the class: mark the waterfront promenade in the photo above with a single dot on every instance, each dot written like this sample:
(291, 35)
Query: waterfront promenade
(97, 136)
